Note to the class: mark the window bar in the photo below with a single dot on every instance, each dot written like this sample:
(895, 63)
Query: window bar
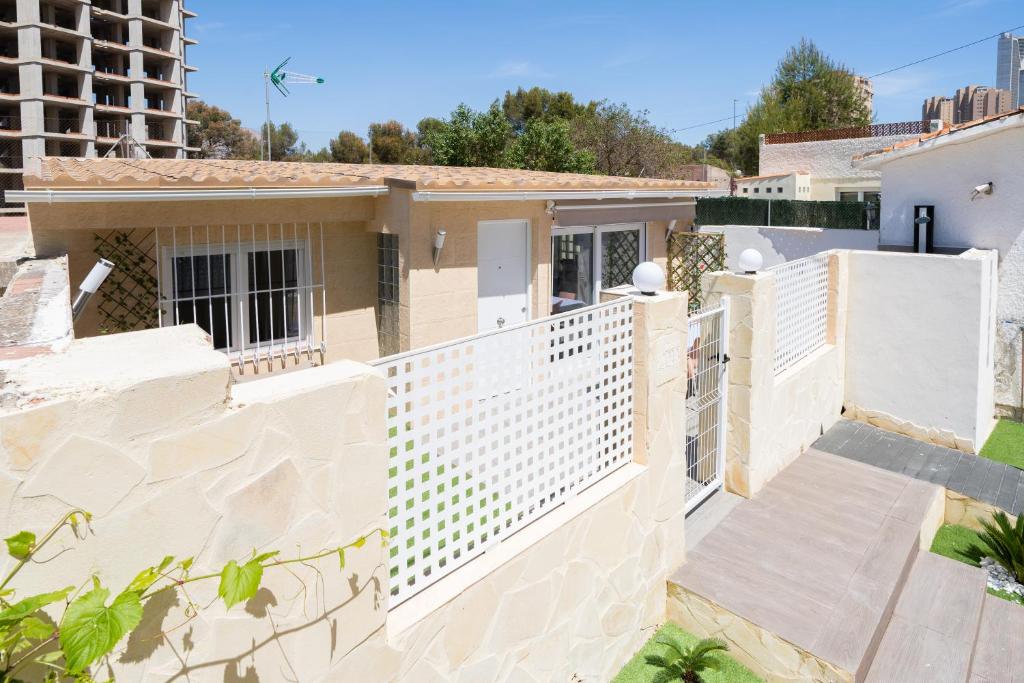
(270, 302)
(284, 302)
(159, 282)
(256, 302)
(174, 273)
(209, 284)
(298, 297)
(192, 266)
(310, 339)
(240, 341)
(323, 299)
(224, 283)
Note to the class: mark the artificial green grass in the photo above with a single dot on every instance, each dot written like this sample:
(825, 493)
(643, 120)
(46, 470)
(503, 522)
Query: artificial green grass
(639, 671)
(1006, 444)
(951, 541)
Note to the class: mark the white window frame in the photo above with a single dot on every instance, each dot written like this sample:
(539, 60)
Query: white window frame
(239, 294)
(598, 231)
(840, 191)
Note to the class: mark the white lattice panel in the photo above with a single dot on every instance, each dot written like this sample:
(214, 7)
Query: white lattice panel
(801, 308)
(488, 433)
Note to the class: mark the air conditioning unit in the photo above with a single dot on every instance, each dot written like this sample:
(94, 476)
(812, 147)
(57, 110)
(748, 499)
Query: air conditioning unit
(935, 125)
(924, 228)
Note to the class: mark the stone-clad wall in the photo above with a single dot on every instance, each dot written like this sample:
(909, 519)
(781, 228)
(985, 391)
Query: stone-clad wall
(143, 430)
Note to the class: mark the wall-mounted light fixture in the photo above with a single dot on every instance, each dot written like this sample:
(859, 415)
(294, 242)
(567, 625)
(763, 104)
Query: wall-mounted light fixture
(671, 229)
(750, 261)
(89, 285)
(549, 208)
(438, 245)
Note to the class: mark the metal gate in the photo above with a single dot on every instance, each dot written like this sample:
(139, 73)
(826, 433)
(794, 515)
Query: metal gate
(707, 353)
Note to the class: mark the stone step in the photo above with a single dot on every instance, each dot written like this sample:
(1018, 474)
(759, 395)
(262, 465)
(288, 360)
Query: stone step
(931, 634)
(802, 579)
(999, 651)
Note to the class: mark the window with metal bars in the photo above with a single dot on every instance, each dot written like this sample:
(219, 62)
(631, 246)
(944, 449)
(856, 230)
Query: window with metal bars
(388, 332)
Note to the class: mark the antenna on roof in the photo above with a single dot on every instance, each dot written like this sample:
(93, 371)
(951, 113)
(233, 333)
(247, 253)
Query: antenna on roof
(280, 79)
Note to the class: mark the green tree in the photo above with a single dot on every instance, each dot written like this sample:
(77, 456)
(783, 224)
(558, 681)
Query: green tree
(623, 142)
(523, 106)
(348, 148)
(809, 91)
(547, 146)
(219, 135)
(469, 138)
(392, 143)
(284, 142)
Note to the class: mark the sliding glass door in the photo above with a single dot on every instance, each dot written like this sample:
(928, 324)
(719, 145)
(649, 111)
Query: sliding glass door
(587, 259)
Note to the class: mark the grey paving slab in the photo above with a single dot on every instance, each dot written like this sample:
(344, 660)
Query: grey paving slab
(993, 480)
(973, 476)
(1008, 488)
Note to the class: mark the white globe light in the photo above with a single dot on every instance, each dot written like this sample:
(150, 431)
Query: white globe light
(648, 277)
(751, 260)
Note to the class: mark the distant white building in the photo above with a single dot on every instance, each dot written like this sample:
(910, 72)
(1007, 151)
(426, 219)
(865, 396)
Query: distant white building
(967, 179)
(1010, 67)
(825, 156)
(793, 185)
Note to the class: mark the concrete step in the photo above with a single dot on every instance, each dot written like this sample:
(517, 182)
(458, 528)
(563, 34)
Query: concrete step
(802, 579)
(999, 651)
(931, 634)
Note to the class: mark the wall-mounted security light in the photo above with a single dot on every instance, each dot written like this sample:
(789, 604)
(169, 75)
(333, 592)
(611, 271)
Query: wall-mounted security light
(438, 245)
(89, 285)
(924, 228)
(648, 277)
(751, 261)
(549, 208)
(980, 190)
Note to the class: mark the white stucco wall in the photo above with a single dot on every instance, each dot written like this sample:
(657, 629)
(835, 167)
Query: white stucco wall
(778, 245)
(919, 338)
(789, 186)
(944, 177)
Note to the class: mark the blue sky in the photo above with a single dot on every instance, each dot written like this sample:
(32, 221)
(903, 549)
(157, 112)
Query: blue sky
(682, 61)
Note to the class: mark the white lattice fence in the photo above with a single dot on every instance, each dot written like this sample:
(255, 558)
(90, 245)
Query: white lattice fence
(801, 308)
(488, 433)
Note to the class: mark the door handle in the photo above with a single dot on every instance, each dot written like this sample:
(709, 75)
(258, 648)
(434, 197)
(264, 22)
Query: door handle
(501, 322)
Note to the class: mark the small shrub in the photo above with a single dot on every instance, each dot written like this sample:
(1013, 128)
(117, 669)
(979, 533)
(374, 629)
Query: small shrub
(685, 663)
(1003, 542)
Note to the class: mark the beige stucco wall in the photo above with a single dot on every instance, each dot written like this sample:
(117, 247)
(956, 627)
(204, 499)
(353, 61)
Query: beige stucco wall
(772, 419)
(172, 460)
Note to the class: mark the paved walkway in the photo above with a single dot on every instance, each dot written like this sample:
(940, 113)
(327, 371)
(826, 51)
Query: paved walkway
(970, 475)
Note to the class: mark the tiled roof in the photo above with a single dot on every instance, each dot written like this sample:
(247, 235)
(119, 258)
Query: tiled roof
(948, 130)
(59, 172)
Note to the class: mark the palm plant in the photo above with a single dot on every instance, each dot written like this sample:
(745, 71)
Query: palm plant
(1003, 542)
(686, 664)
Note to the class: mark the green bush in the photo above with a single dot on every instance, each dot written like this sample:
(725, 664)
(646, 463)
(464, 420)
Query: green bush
(785, 212)
(1003, 542)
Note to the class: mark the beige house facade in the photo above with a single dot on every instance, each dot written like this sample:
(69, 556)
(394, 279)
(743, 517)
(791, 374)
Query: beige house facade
(294, 263)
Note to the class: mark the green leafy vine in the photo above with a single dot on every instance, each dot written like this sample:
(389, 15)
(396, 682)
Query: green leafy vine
(92, 624)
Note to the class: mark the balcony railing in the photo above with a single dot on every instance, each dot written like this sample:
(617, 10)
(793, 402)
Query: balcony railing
(111, 129)
(877, 130)
(63, 126)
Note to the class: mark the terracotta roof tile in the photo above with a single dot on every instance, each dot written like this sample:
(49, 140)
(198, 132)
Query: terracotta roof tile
(187, 173)
(947, 130)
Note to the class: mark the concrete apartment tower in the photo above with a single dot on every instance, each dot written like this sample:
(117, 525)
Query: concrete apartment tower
(938, 107)
(1010, 67)
(78, 77)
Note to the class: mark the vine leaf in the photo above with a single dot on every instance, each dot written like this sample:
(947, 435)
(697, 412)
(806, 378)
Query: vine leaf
(34, 628)
(90, 628)
(150, 575)
(21, 544)
(19, 610)
(239, 583)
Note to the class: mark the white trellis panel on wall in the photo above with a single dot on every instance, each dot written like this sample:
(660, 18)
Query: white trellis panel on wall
(801, 308)
(488, 433)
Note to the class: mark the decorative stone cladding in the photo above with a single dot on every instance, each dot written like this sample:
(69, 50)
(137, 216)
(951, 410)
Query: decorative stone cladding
(172, 459)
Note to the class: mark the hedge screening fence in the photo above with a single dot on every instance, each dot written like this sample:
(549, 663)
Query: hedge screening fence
(792, 213)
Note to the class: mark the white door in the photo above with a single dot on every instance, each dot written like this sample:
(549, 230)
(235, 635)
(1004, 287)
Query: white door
(502, 274)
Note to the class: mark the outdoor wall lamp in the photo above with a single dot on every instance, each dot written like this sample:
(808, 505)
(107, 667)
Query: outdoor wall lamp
(671, 229)
(982, 189)
(89, 286)
(648, 277)
(751, 261)
(438, 245)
